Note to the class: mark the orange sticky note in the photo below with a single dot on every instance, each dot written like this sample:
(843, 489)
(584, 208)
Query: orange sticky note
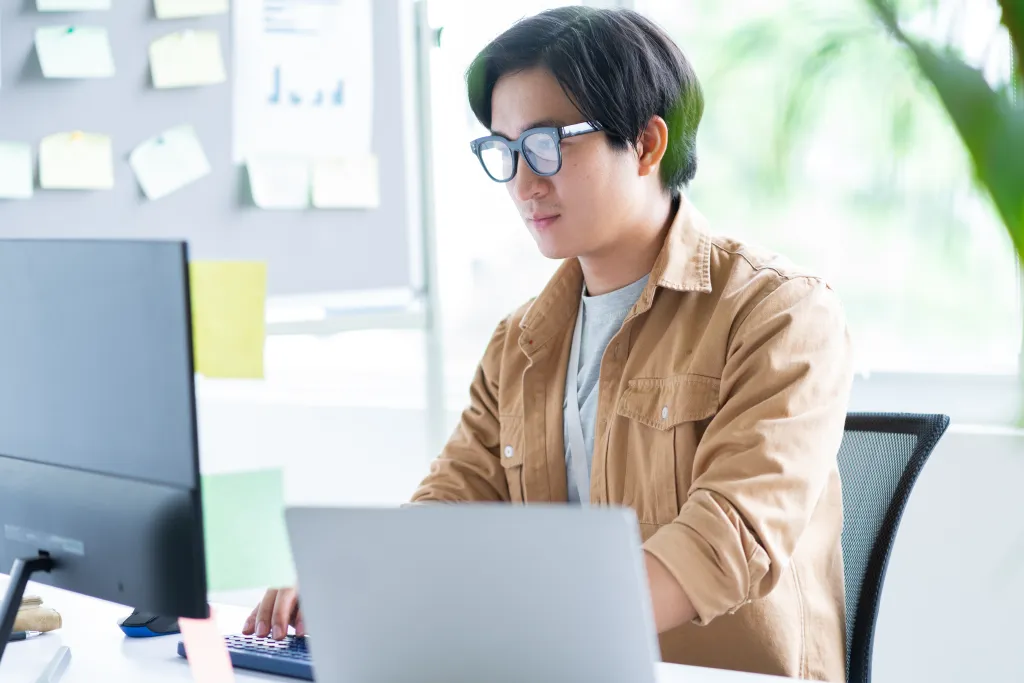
(206, 651)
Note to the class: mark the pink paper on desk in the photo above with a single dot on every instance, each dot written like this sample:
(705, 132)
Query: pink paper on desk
(207, 653)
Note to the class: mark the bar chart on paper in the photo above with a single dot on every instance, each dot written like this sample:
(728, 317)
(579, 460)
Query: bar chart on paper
(334, 97)
(304, 78)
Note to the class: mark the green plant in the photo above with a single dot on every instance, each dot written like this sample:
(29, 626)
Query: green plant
(822, 140)
(990, 121)
(834, 44)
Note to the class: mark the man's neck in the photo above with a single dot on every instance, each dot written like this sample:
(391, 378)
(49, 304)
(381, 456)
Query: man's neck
(624, 263)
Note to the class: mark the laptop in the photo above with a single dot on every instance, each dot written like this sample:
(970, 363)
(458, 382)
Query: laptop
(474, 592)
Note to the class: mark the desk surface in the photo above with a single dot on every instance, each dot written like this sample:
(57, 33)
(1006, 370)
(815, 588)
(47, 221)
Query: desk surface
(101, 654)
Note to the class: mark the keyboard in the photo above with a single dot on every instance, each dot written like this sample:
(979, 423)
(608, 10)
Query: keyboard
(288, 657)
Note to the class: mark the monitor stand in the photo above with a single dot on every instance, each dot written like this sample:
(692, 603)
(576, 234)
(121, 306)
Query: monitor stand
(23, 568)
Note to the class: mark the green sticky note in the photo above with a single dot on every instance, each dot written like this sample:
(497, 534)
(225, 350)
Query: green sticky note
(228, 317)
(245, 534)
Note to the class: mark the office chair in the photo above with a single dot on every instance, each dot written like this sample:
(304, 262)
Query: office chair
(880, 459)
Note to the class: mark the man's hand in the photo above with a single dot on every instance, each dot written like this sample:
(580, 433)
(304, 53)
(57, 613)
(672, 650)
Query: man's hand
(278, 610)
(672, 607)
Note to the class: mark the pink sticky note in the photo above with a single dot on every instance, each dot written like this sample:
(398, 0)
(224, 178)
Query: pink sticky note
(207, 653)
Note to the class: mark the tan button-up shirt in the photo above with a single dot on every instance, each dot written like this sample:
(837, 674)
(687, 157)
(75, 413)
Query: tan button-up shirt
(721, 408)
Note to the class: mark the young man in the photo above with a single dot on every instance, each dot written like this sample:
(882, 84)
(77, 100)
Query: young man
(695, 379)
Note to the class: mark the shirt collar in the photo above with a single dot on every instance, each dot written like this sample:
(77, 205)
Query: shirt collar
(683, 264)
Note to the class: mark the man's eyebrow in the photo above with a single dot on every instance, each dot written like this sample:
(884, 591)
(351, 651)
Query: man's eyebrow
(542, 123)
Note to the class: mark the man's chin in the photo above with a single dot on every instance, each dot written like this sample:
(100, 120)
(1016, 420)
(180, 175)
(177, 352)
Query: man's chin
(554, 251)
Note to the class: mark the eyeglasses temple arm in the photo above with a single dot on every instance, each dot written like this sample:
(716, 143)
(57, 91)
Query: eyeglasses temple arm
(578, 129)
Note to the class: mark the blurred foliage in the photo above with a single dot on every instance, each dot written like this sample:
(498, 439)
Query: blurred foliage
(845, 114)
(839, 47)
(990, 120)
(823, 140)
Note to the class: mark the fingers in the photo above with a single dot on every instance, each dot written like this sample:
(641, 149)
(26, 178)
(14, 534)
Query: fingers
(249, 627)
(265, 613)
(284, 612)
(278, 610)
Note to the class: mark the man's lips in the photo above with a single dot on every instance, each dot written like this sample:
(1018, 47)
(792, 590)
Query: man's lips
(542, 221)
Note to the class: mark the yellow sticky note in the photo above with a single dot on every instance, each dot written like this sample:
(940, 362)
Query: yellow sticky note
(74, 52)
(346, 183)
(76, 161)
(207, 653)
(279, 183)
(169, 161)
(228, 317)
(15, 170)
(180, 9)
(186, 58)
(72, 5)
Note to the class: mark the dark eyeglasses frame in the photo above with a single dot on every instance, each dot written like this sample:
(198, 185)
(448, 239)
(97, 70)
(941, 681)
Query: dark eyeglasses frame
(516, 146)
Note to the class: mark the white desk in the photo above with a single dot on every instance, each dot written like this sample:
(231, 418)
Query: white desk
(100, 653)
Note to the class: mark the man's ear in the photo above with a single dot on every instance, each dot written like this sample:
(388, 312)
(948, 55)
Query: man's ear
(652, 145)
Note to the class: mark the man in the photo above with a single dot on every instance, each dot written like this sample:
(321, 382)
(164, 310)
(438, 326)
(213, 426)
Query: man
(697, 380)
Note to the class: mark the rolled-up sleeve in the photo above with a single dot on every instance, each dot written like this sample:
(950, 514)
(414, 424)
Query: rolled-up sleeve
(469, 469)
(767, 455)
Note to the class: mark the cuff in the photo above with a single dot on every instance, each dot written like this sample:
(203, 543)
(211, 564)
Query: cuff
(711, 553)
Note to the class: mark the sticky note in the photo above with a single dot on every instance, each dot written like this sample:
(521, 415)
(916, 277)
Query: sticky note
(207, 653)
(246, 539)
(168, 162)
(348, 183)
(74, 52)
(72, 5)
(228, 317)
(15, 170)
(186, 58)
(279, 183)
(180, 9)
(76, 161)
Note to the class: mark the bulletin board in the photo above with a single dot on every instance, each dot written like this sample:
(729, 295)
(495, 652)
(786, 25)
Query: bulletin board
(307, 251)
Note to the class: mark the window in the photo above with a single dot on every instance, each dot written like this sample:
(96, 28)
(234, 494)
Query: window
(481, 239)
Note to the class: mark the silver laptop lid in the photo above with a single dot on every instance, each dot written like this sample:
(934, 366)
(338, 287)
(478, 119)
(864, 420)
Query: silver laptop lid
(474, 593)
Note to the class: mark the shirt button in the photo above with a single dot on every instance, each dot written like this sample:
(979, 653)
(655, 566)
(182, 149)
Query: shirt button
(664, 413)
(509, 451)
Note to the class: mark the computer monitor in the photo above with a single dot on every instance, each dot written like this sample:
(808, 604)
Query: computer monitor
(99, 471)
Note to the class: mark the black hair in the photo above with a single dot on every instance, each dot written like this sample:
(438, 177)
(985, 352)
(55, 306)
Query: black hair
(615, 65)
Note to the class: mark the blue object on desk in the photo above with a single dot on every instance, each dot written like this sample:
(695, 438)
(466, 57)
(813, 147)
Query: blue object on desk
(289, 657)
(145, 625)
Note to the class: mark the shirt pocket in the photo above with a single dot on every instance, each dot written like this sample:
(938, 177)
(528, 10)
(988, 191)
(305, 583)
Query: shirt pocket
(510, 453)
(666, 418)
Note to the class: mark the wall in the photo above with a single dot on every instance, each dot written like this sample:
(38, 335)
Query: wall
(953, 594)
(307, 251)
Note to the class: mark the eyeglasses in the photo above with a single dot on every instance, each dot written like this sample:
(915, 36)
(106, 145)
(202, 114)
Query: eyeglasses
(542, 148)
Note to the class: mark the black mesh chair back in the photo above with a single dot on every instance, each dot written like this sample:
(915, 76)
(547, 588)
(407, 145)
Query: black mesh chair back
(879, 461)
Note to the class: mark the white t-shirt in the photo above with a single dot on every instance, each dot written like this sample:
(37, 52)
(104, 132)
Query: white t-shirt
(602, 319)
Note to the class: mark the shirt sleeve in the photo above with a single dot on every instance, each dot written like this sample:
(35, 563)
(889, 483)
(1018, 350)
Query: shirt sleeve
(767, 455)
(469, 469)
